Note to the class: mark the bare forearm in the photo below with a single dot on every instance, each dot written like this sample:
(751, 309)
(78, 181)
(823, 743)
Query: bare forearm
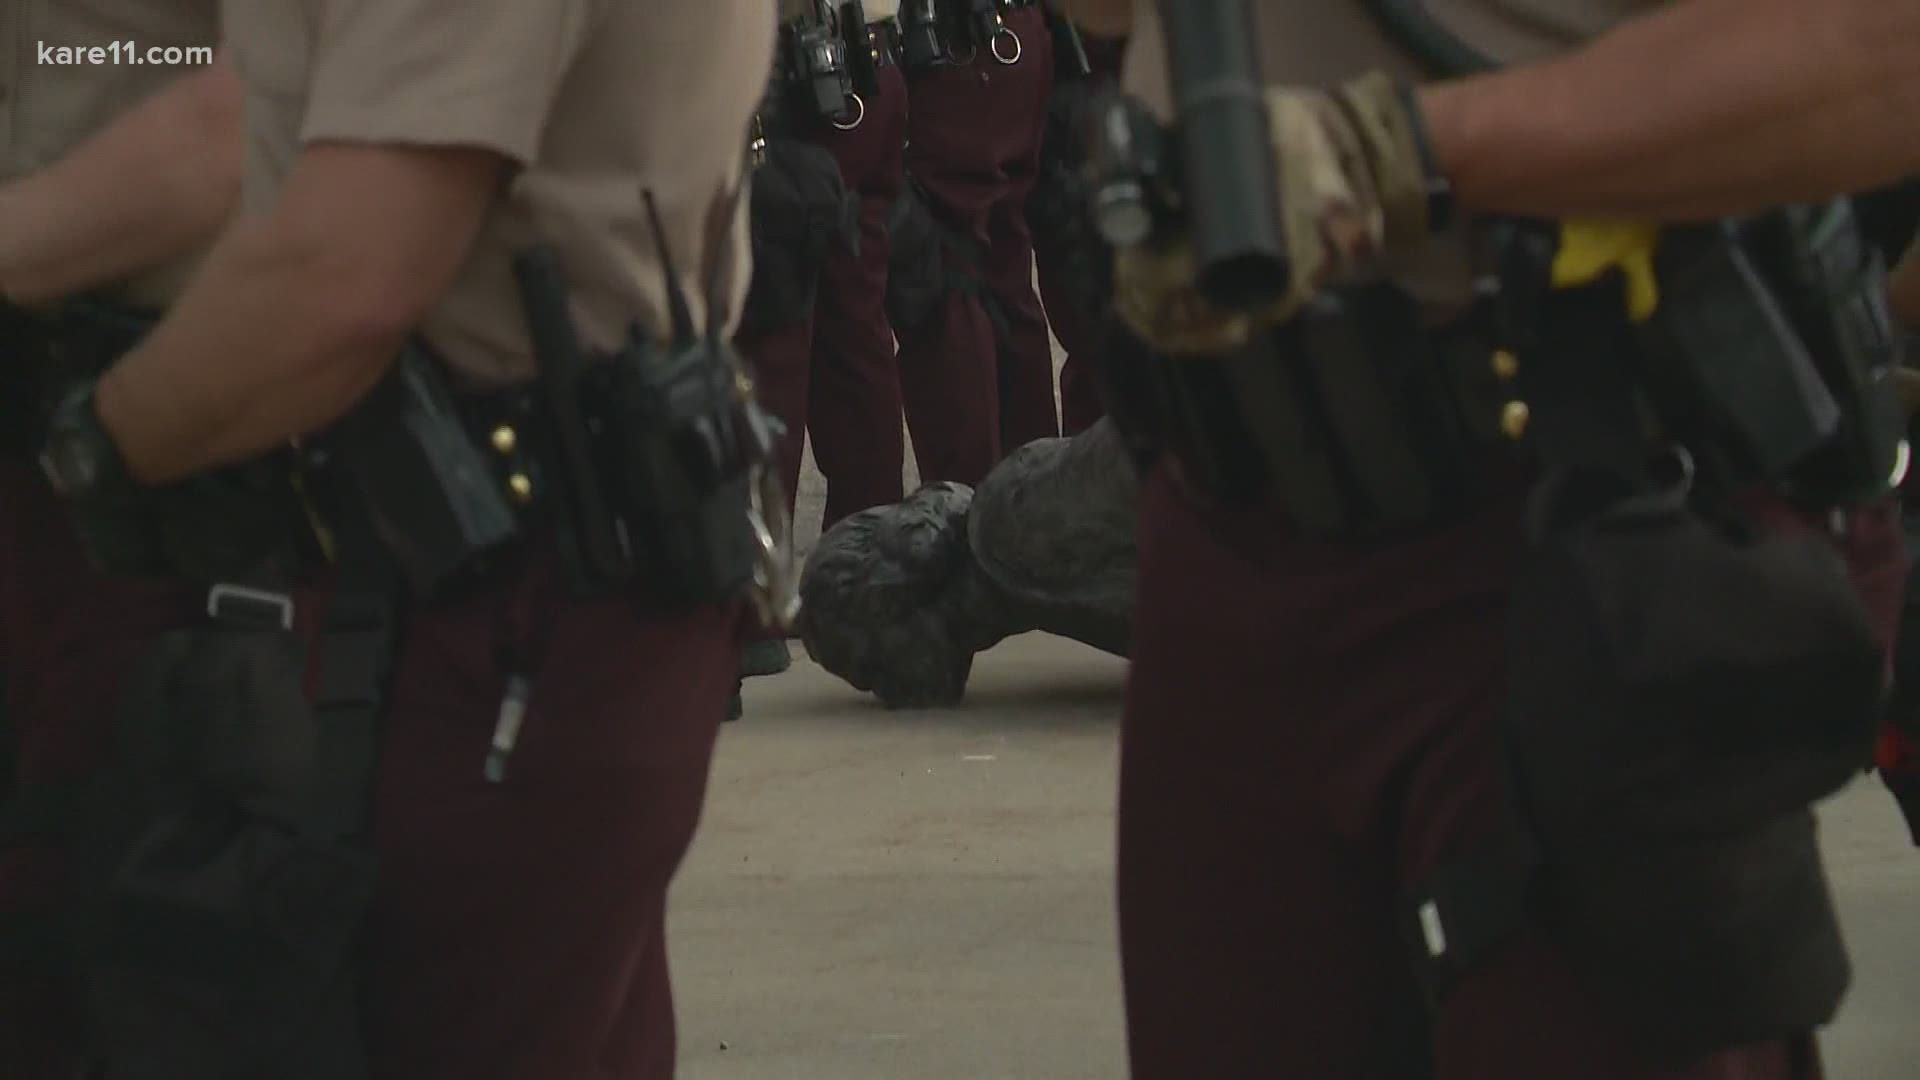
(153, 186)
(1709, 109)
(295, 316)
(254, 354)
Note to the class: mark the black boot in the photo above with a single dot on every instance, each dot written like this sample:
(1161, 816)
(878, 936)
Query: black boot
(767, 657)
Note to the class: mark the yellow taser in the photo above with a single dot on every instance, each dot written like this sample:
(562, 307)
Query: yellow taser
(1588, 249)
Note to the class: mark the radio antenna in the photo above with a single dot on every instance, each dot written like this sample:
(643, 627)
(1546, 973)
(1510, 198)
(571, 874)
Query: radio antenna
(717, 239)
(677, 310)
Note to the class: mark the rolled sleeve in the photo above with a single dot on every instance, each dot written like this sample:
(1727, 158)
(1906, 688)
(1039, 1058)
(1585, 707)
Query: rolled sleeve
(445, 73)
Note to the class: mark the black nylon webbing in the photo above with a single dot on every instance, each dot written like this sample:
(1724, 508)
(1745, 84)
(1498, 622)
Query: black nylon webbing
(356, 647)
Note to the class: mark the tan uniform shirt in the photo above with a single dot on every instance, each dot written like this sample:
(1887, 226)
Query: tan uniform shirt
(1514, 31)
(47, 108)
(1323, 42)
(875, 10)
(597, 100)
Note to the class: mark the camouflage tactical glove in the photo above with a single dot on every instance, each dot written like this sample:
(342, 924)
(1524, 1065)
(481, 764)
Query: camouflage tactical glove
(1353, 177)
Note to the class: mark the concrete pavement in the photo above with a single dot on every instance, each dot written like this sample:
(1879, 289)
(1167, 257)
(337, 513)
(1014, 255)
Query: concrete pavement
(928, 896)
(889, 896)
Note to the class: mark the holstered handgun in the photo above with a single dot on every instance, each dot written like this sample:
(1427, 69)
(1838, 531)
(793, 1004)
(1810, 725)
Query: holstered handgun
(1849, 327)
(1725, 363)
(1774, 340)
(923, 43)
(863, 64)
(815, 59)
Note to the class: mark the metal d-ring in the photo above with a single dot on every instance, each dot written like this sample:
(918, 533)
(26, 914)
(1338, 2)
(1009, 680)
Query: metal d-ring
(973, 51)
(776, 585)
(994, 45)
(859, 114)
(1686, 470)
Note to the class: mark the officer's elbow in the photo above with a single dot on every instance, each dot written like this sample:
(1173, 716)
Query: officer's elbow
(377, 235)
(374, 326)
(213, 103)
(215, 107)
(203, 117)
(338, 297)
(366, 315)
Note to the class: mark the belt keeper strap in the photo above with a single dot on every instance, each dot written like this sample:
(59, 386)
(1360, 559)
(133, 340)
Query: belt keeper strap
(356, 648)
(248, 608)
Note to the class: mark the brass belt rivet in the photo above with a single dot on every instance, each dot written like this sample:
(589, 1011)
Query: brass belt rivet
(521, 485)
(1505, 364)
(1513, 418)
(505, 439)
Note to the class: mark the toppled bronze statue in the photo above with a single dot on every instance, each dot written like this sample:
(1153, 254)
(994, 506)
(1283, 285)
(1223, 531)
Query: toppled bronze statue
(898, 599)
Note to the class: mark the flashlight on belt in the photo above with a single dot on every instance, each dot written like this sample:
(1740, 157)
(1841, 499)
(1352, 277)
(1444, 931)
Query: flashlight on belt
(920, 40)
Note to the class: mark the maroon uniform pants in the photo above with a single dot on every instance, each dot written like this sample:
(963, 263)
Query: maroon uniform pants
(833, 374)
(1309, 729)
(974, 144)
(1079, 334)
(518, 930)
(68, 639)
(1080, 404)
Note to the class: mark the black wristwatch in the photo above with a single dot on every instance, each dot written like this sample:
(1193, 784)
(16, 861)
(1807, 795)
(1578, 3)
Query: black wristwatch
(1440, 205)
(79, 458)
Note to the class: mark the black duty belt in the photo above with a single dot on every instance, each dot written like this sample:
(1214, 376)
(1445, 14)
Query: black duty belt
(1360, 422)
(1766, 362)
(42, 353)
(19, 403)
(884, 36)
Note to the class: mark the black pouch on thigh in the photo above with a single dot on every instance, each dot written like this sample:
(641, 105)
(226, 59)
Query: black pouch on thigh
(1683, 689)
(217, 922)
(927, 259)
(802, 211)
